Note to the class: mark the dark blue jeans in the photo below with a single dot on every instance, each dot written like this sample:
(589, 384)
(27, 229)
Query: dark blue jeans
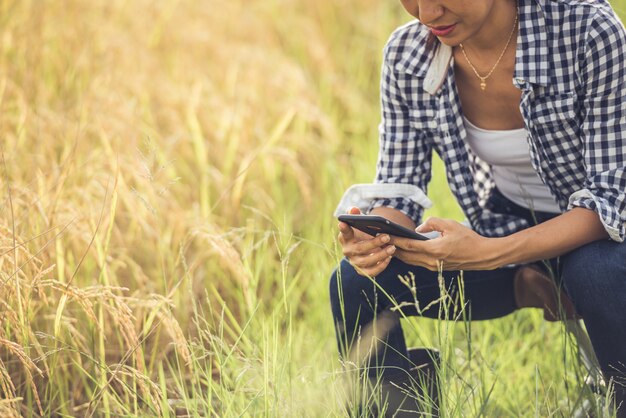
(594, 277)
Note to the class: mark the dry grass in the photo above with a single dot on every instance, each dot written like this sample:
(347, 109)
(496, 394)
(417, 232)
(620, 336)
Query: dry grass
(136, 136)
(168, 171)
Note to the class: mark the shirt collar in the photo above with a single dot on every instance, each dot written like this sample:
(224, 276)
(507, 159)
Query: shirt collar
(531, 56)
(430, 63)
(418, 57)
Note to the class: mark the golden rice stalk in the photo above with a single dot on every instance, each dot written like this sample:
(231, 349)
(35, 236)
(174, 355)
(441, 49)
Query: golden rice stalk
(8, 408)
(230, 260)
(160, 307)
(6, 384)
(27, 363)
(175, 332)
(148, 389)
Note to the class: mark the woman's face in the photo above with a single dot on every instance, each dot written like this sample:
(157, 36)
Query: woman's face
(452, 21)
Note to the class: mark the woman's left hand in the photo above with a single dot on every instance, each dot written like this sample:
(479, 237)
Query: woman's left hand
(458, 248)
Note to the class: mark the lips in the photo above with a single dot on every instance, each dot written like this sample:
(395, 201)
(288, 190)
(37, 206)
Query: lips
(442, 30)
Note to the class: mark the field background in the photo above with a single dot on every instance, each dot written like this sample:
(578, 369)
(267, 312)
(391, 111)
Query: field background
(169, 170)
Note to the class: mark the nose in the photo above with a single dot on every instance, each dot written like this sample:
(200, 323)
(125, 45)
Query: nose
(428, 11)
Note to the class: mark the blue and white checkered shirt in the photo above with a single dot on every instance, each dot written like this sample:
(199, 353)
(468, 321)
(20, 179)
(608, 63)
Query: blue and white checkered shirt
(571, 70)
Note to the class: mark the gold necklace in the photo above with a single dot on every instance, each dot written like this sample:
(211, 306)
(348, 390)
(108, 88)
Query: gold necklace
(483, 80)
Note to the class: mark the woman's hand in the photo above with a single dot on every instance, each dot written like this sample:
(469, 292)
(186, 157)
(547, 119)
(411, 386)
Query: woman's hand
(369, 255)
(458, 248)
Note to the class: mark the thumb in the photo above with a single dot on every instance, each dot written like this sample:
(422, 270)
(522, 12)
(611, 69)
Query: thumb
(431, 225)
(346, 231)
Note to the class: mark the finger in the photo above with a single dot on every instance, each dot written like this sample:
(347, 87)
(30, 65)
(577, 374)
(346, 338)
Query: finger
(414, 259)
(345, 229)
(365, 247)
(361, 236)
(346, 233)
(371, 260)
(433, 224)
(381, 266)
(371, 245)
(375, 270)
(411, 244)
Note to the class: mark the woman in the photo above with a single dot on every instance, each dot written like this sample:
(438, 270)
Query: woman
(526, 105)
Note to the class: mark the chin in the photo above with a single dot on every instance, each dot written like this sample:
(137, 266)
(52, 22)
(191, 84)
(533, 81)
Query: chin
(452, 42)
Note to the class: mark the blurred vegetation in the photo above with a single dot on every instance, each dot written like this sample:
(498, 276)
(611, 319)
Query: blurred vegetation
(169, 171)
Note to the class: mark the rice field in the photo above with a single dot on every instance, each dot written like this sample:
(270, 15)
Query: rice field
(168, 174)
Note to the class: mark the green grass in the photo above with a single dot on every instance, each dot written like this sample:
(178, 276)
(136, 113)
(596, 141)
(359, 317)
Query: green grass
(169, 171)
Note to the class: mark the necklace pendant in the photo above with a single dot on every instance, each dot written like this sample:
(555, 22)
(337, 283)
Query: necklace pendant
(483, 85)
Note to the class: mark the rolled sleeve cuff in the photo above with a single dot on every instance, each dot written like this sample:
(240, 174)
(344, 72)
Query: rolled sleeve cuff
(404, 205)
(407, 198)
(609, 216)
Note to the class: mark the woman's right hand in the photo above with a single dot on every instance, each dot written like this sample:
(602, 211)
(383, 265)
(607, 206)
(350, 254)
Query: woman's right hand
(369, 255)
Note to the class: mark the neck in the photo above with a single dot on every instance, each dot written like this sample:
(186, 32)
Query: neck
(496, 29)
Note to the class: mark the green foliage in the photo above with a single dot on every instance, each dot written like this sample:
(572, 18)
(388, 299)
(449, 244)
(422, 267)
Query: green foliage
(169, 171)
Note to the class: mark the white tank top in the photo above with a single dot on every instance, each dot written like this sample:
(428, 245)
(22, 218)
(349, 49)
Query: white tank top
(507, 153)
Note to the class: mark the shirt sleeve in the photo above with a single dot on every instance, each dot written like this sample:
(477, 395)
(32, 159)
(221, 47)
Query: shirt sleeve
(603, 76)
(405, 152)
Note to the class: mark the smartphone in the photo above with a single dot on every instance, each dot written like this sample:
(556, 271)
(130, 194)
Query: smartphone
(374, 225)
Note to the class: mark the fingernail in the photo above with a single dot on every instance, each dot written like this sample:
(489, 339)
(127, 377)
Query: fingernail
(391, 250)
(385, 238)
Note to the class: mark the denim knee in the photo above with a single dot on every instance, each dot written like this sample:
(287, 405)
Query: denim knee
(347, 287)
(594, 276)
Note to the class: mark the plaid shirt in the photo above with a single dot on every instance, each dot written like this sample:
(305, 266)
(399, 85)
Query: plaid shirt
(570, 68)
